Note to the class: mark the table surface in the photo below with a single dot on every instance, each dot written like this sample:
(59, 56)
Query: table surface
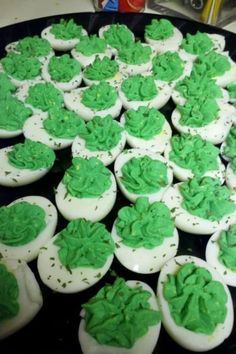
(15, 11)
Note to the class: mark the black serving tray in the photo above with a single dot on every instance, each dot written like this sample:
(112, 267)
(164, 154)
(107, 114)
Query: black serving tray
(54, 330)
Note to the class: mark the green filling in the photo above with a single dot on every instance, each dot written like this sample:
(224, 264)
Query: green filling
(63, 68)
(119, 315)
(206, 198)
(63, 124)
(13, 114)
(212, 65)
(81, 183)
(9, 292)
(44, 96)
(101, 69)
(198, 112)
(231, 90)
(100, 96)
(84, 244)
(230, 144)
(194, 153)
(90, 45)
(20, 67)
(141, 175)
(144, 123)
(197, 44)
(159, 29)
(101, 134)
(136, 53)
(34, 47)
(139, 88)
(144, 224)
(118, 36)
(6, 87)
(196, 301)
(66, 30)
(31, 155)
(197, 86)
(168, 66)
(227, 248)
(21, 223)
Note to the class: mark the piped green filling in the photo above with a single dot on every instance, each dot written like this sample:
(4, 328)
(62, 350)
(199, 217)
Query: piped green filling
(21, 223)
(63, 68)
(66, 30)
(9, 293)
(6, 87)
(227, 248)
(167, 66)
(212, 65)
(101, 69)
(90, 45)
(143, 175)
(139, 88)
(197, 44)
(13, 114)
(135, 54)
(34, 47)
(159, 29)
(119, 315)
(144, 224)
(84, 244)
(196, 301)
(44, 96)
(206, 198)
(81, 183)
(118, 36)
(99, 96)
(231, 90)
(230, 144)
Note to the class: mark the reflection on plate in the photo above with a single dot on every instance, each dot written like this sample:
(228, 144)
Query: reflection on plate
(55, 329)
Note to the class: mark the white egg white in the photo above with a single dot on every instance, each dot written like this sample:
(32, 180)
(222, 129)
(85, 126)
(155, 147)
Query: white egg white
(193, 341)
(73, 102)
(182, 174)
(155, 144)
(63, 280)
(230, 178)
(222, 147)
(101, 32)
(214, 132)
(60, 44)
(145, 344)
(64, 86)
(212, 254)
(229, 75)
(127, 155)
(107, 157)
(11, 176)
(18, 82)
(33, 129)
(164, 45)
(142, 260)
(162, 97)
(4, 134)
(30, 298)
(30, 251)
(86, 60)
(94, 209)
(190, 223)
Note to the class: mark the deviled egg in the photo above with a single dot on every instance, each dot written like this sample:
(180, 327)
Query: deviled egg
(195, 303)
(21, 297)
(201, 205)
(25, 163)
(142, 173)
(88, 190)
(144, 236)
(119, 327)
(26, 225)
(100, 100)
(103, 138)
(77, 257)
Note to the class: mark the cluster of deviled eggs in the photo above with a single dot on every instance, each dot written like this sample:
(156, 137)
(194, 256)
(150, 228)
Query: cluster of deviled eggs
(99, 97)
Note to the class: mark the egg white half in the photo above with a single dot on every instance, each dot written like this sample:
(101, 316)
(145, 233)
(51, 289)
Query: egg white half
(145, 344)
(86, 60)
(94, 209)
(30, 298)
(11, 176)
(230, 178)
(162, 97)
(143, 260)
(190, 223)
(156, 144)
(164, 45)
(58, 278)
(60, 44)
(101, 32)
(73, 102)
(33, 129)
(214, 132)
(107, 157)
(182, 174)
(30, 251)
(190, 340)
(127, 155)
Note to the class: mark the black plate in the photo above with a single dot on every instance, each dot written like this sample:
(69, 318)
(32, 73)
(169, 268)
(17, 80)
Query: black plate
(55, 328)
